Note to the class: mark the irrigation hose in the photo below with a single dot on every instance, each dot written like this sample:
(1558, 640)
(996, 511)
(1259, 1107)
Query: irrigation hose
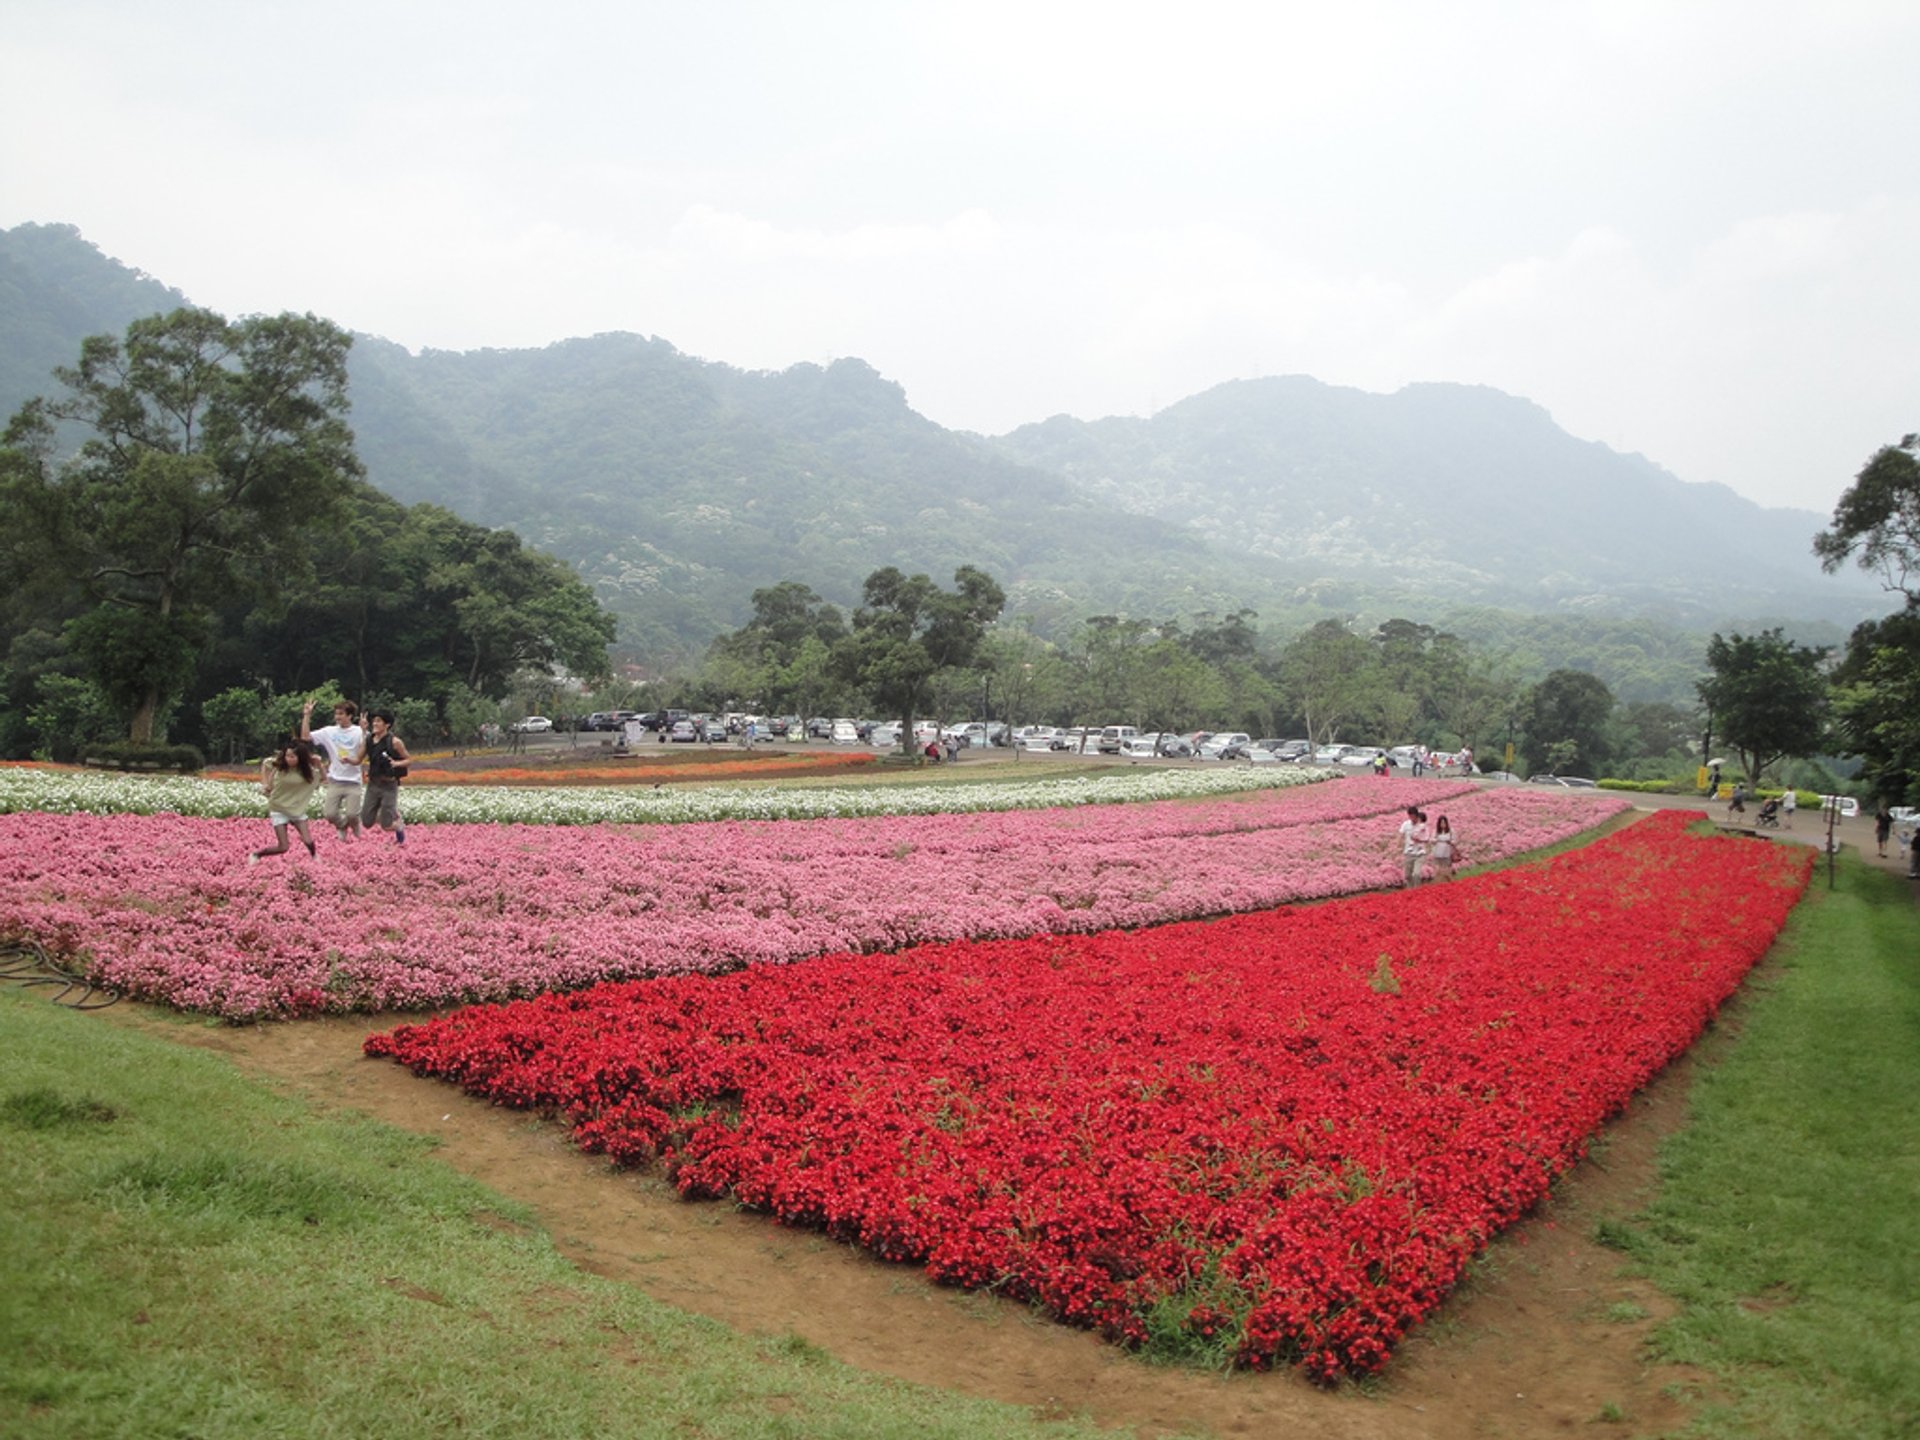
(26, 963)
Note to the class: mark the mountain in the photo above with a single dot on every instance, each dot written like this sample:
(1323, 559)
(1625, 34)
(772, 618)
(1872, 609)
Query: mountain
(678, 486)
(1460, 494)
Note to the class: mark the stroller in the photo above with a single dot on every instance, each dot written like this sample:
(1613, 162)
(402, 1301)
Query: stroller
(1768, 816)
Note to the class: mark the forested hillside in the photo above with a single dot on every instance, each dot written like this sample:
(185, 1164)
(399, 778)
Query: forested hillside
(677, 487)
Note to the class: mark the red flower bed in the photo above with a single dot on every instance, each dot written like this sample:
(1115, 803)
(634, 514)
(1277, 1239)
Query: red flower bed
(1282, 1134)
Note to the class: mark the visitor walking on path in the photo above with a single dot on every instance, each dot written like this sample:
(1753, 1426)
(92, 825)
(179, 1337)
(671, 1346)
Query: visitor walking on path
(1882, 827)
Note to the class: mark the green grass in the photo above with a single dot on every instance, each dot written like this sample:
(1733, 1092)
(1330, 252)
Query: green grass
(190, 1254)
(1788, 1216)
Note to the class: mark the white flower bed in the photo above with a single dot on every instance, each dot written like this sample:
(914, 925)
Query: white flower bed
(85, 793)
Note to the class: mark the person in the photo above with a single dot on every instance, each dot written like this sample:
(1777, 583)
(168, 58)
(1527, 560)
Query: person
(1419, 761)
(1789, 802)
(342, 743)
(1466, 759)
(288, 778)
(1380, 762)
(1412, 840)
(1441, 853)
(1713, 781)
(933, 751)
(1737, 802)
(1882, 827)
(385, 763)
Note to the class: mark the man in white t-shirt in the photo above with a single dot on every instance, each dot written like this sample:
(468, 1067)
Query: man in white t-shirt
(1411, 840)
(344, 744)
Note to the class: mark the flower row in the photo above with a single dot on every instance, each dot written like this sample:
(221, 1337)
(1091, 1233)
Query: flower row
(81, 792)
(165, 907)
(1283, 1132)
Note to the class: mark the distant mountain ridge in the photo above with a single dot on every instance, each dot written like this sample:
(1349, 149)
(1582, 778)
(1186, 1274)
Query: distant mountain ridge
(678, 486)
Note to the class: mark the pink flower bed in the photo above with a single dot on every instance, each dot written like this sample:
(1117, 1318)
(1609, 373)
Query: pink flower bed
(166, 909)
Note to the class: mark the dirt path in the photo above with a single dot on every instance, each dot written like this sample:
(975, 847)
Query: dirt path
(1546, 1338)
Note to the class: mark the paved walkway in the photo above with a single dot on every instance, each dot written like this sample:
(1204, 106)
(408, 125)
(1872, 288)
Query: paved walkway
(1809, 827)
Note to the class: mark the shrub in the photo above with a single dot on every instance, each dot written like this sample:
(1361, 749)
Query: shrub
(125, 755)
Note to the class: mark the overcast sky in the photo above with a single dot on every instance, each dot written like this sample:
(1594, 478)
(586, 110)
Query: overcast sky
(1687, 230)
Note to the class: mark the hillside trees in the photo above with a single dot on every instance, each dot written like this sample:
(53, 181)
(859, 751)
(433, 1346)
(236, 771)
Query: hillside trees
(210, 446)
(782, 657)
(186, 518)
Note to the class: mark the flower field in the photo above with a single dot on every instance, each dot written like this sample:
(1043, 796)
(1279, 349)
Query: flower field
(58, 791)
(164, 908)
(1276, 1137)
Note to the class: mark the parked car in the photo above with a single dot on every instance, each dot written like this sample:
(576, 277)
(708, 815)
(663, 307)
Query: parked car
(1073, 741)
(713, 730)
(1112, 737)
(885, 736)
(1218, 744)
(533, 725)
(1361, 757)
(682, 732)
(844, 732)
(1175, 747)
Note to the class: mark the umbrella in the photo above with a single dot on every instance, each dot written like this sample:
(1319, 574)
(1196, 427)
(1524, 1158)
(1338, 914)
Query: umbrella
(1712, 763)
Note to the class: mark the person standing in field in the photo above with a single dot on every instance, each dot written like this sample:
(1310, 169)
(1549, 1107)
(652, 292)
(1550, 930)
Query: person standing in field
(1441, 852)
(1412, 840)
(1882, 827)
(343, 743)
(289, 778)
(385, 763)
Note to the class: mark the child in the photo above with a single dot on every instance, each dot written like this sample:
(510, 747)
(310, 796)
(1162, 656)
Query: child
(289, 779)
(385, 763)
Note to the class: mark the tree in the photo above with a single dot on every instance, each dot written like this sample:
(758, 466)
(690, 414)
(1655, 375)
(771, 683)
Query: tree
(1566, 724)
(1766, 698)
(1878, 520)
(908, 630)
(1328, 674)
(211, 448)
(1876, 702)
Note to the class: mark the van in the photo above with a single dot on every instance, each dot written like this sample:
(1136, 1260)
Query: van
(1113, 738)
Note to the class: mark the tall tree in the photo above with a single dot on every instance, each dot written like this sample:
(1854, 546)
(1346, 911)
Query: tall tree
(1329, 675)
(1876, 701)
(908, 630)
(1566, 724)
(210, 448)
(1878, 520)
(1767, 697)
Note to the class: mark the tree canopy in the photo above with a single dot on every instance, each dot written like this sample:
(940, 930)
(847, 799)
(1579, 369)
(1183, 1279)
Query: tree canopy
(908, 630)
(210, 447)
(1766, 698)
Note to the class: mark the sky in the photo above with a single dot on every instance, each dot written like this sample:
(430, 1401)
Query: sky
(1688, 230)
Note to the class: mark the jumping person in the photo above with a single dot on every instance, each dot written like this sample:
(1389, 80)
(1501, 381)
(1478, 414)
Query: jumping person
(288, 779)
(385, 763)
(342, 743)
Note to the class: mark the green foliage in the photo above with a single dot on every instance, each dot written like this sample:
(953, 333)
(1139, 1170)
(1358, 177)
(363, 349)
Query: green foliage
(1876, 701)
(1565, 725)
(131, 755)
(209, 446)
(1767, 698)
(909, 631)
(1877, 521)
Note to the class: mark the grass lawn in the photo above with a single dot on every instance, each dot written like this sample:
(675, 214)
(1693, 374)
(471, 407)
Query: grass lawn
(1788, 1215)
(189, 1254)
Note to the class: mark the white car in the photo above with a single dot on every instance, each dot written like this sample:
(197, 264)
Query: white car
(844, 732)
(533, 725)
(884, 737)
